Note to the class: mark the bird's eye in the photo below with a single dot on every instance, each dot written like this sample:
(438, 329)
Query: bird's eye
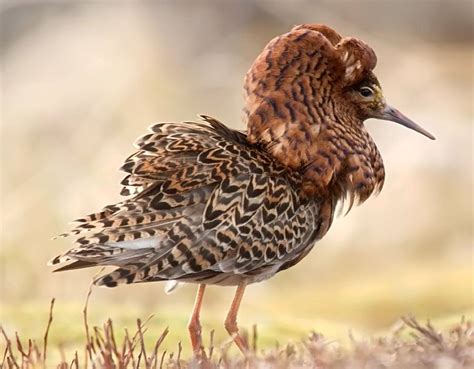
(366, 91)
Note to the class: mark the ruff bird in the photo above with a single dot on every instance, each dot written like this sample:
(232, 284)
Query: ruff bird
(211, 205)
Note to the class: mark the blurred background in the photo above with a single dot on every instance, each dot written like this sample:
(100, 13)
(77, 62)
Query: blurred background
(80, 80)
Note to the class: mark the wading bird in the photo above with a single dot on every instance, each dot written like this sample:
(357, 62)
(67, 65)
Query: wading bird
(207, 204)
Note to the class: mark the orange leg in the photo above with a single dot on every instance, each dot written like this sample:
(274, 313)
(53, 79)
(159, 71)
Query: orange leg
(231, 320)
(194, 326)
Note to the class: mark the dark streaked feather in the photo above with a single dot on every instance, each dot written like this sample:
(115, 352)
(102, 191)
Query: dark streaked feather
(213, 203)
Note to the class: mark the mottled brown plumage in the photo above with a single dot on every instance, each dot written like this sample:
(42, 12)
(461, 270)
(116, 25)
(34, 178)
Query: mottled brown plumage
(298, 108)
(211, 205)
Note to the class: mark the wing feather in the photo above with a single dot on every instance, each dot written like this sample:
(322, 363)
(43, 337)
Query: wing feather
(204, 203)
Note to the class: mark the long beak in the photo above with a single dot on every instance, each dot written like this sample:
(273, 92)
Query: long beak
(394, 115)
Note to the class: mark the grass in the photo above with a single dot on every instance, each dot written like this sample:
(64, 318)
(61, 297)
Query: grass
(409, 345)
(368, 301)
(284, 340)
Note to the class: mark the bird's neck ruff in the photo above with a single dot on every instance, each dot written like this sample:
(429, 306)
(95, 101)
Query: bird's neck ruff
(295, 109)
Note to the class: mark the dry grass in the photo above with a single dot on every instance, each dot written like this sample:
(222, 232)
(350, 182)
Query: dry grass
(410, 346)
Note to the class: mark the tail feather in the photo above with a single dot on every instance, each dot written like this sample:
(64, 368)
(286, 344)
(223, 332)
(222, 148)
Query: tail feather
(120, 276)
(79, 264)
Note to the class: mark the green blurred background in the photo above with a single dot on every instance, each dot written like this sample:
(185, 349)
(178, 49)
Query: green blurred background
(80, 80)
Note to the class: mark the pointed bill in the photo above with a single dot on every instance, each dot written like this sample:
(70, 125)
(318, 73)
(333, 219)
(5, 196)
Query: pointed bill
(396, 116)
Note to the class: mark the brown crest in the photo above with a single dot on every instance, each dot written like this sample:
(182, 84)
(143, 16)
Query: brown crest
(296, 108)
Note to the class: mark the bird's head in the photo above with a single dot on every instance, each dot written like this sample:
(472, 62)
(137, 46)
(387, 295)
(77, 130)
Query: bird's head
(368, 101)
(307, 96)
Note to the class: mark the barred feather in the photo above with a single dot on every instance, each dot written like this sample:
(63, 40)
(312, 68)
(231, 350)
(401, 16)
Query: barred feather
(208, 207)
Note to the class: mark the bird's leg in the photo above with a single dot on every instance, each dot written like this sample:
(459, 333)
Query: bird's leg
(194, 326)
(231, 320)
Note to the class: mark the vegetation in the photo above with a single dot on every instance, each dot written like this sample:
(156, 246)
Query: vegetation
(409, 345)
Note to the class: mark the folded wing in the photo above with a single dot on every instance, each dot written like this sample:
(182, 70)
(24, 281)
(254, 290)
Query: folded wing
(203, 205)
